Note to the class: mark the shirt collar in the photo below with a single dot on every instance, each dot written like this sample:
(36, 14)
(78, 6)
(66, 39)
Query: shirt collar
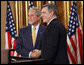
(36, 27)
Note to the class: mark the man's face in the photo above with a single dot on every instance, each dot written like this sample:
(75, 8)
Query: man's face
(45, 15)
(32, 18)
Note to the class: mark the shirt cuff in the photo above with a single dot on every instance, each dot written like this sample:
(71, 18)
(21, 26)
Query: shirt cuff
(30, 54)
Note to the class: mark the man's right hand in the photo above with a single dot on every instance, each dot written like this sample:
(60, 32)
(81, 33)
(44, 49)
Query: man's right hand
(36, 53)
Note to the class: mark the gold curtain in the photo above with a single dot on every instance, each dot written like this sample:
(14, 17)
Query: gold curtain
(19, 15)
(26, 7)
(63, 7)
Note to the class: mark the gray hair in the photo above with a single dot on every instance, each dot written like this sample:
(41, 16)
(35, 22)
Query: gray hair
(51, 7)
(38, 12)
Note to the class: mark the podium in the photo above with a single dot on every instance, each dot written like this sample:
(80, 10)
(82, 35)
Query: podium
(5, 56)
(7, 59)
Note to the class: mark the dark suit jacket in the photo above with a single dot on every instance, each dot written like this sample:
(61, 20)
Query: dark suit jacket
(24, 41)
(54, 44)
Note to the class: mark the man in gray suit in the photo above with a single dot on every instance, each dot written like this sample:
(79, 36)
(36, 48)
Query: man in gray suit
(24, 45)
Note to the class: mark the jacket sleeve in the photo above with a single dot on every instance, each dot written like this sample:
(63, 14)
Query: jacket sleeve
(19, 46)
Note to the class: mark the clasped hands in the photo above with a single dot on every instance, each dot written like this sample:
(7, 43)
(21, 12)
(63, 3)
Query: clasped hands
(35, 53)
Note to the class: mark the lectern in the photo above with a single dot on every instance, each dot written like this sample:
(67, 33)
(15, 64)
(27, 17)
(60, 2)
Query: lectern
(7, 59)
(5, 56)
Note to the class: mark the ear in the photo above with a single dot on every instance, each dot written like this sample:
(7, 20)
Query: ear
(52, 13)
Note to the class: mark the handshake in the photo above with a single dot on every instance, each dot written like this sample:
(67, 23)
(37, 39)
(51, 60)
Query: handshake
(35, 53)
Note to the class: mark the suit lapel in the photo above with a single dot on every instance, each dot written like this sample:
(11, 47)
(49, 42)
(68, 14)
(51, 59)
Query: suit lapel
(38, 35)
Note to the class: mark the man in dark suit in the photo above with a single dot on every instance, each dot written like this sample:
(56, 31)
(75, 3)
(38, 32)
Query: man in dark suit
(25, 45)
(54, 46)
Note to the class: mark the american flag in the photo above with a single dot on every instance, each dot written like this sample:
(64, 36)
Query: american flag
(10, 34)
(75, 37)
(31, 5)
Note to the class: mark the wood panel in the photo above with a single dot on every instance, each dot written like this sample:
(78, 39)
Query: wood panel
(3, 23)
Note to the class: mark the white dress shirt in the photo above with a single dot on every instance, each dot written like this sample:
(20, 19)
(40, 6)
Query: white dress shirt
(36, 30)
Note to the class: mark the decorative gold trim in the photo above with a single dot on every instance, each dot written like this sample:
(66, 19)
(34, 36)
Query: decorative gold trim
(81, 14)
(26, 10)
(82, 3)
(65, 14)
(20, 14)
(38, 4)
(17, 25)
